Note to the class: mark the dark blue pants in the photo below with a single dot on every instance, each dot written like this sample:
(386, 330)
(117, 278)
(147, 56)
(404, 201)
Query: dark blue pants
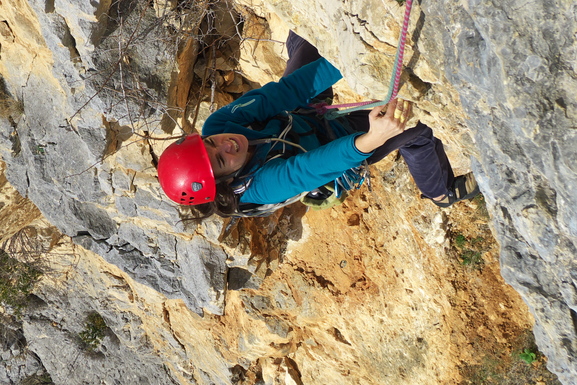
(423, 153)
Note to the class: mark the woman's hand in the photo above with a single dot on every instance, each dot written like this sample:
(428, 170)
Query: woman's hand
(384, 126)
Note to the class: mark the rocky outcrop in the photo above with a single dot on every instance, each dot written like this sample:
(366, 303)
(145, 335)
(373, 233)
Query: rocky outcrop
(89, 90)
(505, 74)
(78, 89)
(513, 66)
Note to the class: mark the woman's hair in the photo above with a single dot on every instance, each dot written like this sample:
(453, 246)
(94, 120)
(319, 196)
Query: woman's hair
(225, 203)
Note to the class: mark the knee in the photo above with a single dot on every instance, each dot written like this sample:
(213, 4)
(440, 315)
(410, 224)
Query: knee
(424, 130)
(420, 135)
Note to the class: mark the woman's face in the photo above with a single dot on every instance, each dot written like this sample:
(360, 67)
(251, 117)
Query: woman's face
(227, 153)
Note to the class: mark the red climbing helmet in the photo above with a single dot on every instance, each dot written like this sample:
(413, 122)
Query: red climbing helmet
(185, 173)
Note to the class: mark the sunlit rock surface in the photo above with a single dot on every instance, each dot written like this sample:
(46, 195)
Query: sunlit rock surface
(368, 292)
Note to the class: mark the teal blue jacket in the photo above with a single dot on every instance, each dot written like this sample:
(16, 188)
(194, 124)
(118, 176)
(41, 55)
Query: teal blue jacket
(280, 179)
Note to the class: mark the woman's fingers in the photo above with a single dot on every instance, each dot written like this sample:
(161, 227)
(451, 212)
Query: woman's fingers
(390, 107)
(384, 126)
(375, 112)
(402, 111)
(407, 108)
(398, 112)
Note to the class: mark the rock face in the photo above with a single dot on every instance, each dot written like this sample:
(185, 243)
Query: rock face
(81, 81)
(60, 156)
(514, 68)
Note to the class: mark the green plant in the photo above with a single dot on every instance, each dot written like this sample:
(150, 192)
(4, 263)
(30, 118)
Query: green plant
(471, 258)
(482, 211)
(507, 364)
(16, 281)
(470, 250)
(40, 149)
(460, 241)
(94, 331)
(38, 379)
(528, 356)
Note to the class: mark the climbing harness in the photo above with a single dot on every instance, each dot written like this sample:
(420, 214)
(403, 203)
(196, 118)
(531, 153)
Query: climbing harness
(331, 194)
(323, 108)
(352, 178)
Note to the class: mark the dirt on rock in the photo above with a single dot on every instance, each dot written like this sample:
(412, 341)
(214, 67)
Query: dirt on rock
(388, 288)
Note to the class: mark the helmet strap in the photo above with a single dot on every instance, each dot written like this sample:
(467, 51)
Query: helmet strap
(223, 178)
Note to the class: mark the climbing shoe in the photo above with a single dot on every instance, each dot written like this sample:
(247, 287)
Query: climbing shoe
(463, 187)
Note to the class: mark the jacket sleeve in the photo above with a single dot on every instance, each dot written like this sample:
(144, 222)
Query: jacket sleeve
(281, 179)
(290, 92)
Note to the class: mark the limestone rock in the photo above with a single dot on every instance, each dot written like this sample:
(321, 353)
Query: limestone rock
(504, 75)
(495, 80)
(61, 161)
(516, 93)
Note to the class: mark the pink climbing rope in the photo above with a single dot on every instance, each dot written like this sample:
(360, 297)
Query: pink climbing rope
(401, 49)
(323, 108)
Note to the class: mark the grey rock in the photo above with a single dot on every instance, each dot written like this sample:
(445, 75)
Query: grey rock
(123, 355)
(513, 65)
(17, 361)
(61, 159)
(133, 64)
(239, 278)
(191, 271)
(126, 206)
(121, 181)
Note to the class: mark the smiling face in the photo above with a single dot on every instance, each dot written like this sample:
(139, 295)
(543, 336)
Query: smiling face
(227, 153)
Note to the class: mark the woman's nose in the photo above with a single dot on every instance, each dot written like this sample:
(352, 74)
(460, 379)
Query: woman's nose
(227, 147)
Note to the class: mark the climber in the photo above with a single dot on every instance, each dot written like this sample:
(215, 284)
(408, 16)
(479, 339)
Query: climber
(254, 157)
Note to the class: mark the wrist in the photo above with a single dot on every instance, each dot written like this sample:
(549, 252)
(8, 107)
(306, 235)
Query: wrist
(367, 143)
